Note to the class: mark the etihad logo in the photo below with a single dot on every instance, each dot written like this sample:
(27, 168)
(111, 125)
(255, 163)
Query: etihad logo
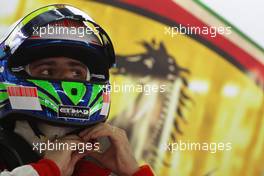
(73, 112)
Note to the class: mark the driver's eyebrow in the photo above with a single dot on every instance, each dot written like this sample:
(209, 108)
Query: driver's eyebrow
(74, 64)
(49, 63)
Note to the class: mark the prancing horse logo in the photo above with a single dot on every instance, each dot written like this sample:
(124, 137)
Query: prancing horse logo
(154, 64)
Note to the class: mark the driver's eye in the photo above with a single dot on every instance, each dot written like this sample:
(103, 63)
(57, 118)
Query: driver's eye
(78, 73)
(46, 72)
(55, 70)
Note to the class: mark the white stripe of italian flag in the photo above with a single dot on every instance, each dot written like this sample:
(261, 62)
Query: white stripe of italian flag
(23, 97)
(106, 103)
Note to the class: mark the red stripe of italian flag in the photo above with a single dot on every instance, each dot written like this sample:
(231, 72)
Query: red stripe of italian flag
(23, 97)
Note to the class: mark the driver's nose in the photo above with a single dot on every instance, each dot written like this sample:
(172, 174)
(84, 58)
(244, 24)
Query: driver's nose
(65, 73)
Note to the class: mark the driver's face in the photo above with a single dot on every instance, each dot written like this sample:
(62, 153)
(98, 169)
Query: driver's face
(58, 68)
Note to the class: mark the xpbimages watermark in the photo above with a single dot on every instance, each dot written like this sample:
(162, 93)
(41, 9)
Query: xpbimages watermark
(146, 89)
(58, 146)
(62, 30)
(211, 147)
(212, 31)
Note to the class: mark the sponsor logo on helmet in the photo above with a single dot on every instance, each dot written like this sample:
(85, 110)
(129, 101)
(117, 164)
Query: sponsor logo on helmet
(73, 112)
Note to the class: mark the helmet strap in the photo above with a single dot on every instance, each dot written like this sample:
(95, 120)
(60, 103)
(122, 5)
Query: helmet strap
(35, 129)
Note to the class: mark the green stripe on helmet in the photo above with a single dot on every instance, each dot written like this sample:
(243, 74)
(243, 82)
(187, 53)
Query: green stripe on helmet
(2, 86)
(3, 96)
(47, 102)
(95, 90)
(78, 93)
(96, 107)
(36, 13)
(46, 85)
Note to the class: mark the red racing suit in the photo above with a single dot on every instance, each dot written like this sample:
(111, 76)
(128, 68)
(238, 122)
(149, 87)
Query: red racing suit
(47, 167)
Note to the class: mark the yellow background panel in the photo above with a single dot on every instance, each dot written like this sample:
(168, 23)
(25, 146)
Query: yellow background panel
(226, 106)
